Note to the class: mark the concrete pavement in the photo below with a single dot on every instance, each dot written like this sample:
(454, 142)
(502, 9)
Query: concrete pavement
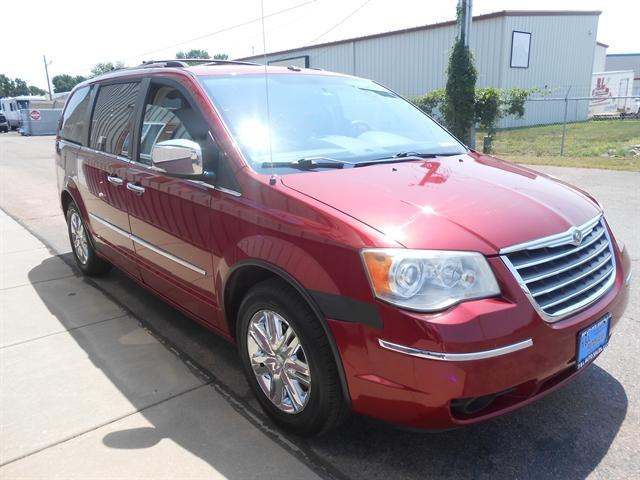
(86, 392)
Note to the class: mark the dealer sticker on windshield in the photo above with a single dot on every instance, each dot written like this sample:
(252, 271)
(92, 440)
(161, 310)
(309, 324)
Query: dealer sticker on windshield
(592, 340)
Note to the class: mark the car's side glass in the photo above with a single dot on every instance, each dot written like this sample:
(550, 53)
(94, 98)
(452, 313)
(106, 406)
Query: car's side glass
(111, 119)
(75, 114)
(168, 115)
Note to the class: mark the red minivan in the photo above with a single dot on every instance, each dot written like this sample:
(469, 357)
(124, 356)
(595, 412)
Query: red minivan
(360, 256)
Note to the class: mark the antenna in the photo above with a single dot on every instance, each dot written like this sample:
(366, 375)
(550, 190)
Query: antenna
(272, 180)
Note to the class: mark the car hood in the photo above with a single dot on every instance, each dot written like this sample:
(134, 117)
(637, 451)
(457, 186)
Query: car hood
(467, 202)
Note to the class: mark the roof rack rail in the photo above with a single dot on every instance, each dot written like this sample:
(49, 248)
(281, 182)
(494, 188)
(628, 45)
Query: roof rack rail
(185, 62)
(231, 62)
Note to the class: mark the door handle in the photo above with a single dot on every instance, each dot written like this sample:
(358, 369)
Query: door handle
(137, 189)
(115, 180)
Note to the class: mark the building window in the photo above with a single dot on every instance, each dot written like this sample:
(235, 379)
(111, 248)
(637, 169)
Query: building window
(520, 49)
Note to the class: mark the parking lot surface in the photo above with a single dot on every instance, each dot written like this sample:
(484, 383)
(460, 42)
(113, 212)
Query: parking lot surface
(100, 379)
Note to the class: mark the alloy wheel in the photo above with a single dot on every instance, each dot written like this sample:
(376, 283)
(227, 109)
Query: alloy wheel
(278, 361)
(79, 238)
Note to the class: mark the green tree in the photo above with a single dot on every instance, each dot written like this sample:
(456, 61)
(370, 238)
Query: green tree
(17, 86)
(459, 108)
(6, 86)
(193, 53)
(221, 56)
(432, 103)
(20, 87)
(490, 105)
(106, 67)
(493, 104)
(65, 82)
(33, 90)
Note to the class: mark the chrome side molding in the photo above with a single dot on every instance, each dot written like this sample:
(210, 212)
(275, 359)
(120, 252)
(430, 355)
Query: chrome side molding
(148, 245)
(455, 357)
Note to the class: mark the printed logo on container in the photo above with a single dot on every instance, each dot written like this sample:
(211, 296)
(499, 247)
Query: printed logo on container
(35, 115)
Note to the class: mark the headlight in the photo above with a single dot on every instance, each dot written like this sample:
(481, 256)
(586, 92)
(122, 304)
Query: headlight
(428, 280)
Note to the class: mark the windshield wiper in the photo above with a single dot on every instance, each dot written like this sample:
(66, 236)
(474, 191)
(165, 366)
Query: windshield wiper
(309, 163)
(407, 156)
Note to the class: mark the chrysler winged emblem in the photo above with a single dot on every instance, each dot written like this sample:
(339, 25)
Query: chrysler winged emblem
(576, 236)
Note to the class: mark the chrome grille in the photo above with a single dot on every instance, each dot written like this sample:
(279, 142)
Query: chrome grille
(565, 272)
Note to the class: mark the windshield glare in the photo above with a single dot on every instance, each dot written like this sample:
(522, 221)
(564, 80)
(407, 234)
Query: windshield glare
(343, 118)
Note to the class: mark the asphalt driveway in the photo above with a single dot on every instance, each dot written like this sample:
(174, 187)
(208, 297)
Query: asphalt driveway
(590, 428)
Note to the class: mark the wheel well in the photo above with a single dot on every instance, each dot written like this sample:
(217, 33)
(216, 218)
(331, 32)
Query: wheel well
(246, 276)
(65, 200)
(237, 286)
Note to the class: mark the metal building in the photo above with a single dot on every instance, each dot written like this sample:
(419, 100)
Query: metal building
(600, 57)
(550, 50)
(625, 61)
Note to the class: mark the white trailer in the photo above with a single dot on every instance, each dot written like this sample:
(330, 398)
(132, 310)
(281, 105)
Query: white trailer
(11, 107)
(611, 94)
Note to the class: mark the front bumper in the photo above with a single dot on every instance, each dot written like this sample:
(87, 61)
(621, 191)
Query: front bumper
(414, 370)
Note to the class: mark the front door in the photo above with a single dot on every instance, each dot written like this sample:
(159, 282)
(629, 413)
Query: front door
(170, 218)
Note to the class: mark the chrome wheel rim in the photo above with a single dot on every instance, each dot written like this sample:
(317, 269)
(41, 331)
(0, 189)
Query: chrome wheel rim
(79, 238)
(278, 361)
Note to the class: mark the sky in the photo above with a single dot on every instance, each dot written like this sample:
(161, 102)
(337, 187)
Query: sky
(74, 35)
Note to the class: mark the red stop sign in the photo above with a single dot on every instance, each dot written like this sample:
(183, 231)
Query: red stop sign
(35, 115)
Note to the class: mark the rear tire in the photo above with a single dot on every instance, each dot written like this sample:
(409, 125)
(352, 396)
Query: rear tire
(82, 246)
(311, 398)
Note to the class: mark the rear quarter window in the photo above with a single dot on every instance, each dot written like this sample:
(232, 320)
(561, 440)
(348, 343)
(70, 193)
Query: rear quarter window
(74, 118)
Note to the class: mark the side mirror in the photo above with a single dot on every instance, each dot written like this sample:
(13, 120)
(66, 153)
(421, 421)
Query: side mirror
(178, 157)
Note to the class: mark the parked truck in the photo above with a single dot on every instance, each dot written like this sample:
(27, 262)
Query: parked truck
(11, 106)
(611, 95)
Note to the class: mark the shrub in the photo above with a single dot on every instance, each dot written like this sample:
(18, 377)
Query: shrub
(432, 103)
(459, 111)
(489, 105)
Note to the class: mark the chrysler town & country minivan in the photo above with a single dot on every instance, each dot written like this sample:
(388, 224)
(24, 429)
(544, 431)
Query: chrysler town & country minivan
(361, 258)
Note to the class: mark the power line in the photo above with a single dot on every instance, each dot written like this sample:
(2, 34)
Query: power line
(243, 24)
(338, 24)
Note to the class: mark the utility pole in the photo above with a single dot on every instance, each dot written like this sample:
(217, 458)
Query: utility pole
(464, 20)
(465, 15)
(46, 72)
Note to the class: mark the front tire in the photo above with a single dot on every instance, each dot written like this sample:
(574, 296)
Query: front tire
(83, 251)
(287, 360)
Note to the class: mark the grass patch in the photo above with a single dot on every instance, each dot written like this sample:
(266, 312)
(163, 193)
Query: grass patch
(631, 164)
(593, 144)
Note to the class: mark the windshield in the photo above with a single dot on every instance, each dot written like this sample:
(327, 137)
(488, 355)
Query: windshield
(342, 118)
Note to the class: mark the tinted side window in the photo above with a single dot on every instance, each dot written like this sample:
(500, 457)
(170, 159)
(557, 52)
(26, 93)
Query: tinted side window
(111, 120)
(169, 115)
(75, 115)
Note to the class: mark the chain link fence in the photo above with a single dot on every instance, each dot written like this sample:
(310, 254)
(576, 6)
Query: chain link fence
(569, 130)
